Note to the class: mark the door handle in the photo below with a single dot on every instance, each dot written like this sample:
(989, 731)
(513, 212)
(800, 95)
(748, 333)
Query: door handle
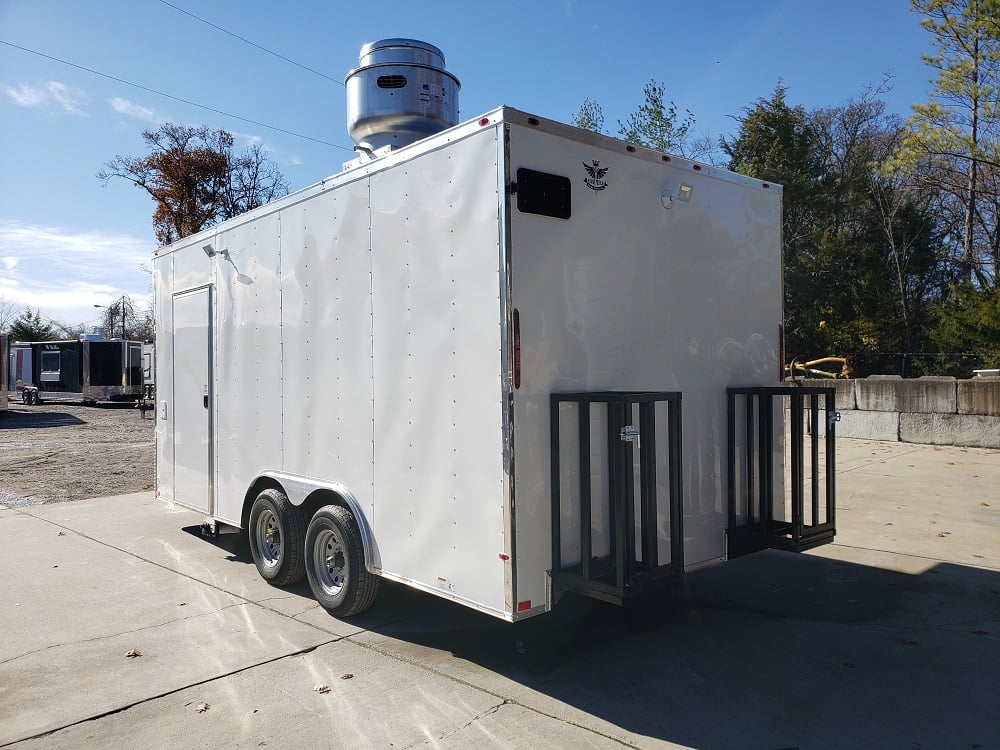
(205, 398)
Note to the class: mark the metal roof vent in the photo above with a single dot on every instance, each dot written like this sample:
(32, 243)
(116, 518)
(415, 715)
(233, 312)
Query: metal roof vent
(399, 94)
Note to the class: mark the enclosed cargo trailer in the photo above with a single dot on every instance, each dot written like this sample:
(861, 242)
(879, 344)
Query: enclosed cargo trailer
(97, 369)
(462, 365)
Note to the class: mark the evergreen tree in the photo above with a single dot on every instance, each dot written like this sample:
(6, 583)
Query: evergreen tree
(970, 323)
(590, 116)
(654, 125)
(29, 326)
(777, 143)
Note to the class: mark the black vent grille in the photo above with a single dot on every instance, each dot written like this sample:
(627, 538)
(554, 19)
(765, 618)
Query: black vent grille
(391, 82)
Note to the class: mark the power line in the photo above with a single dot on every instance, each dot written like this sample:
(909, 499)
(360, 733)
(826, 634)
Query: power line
(252, 44)
(175, 98)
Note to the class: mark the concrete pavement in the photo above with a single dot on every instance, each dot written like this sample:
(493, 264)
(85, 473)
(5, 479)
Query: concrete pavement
(888, 638)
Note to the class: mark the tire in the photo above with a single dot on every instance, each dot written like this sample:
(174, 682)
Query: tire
(276, 534)
(335, 563)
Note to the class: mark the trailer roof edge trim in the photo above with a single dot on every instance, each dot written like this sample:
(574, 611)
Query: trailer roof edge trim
(493, 118)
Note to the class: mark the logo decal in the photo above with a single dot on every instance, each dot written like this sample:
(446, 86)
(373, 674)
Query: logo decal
(596, 171)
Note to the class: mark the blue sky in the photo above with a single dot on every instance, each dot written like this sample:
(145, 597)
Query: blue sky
(67, 243)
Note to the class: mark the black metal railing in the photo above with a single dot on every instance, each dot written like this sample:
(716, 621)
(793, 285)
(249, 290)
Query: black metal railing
(624, 511)
(763, 454)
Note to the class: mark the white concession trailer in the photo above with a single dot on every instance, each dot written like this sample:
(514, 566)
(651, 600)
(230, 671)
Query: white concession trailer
(510, 359)
(4, 364)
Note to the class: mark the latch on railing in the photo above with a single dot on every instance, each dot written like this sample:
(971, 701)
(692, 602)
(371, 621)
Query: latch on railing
(630, 434)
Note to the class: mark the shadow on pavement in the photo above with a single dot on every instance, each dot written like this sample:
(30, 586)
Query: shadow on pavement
(10, 420)
(773, 650)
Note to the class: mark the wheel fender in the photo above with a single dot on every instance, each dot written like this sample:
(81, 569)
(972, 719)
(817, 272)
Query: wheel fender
(299, 488)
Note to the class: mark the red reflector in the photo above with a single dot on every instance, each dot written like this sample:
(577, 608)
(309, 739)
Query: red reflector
(504, 557)
(781, 353)
(522, 606)
(484, 121)
(517, 349)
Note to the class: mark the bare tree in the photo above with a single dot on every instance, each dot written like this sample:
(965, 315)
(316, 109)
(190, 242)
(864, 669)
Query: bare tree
(958, 130)
(123, 318)
(7, 314)
(195, 179)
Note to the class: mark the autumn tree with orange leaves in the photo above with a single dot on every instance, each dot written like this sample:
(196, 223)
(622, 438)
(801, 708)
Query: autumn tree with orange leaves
(195, 178)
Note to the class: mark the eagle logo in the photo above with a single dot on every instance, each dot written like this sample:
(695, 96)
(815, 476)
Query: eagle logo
(596, 179)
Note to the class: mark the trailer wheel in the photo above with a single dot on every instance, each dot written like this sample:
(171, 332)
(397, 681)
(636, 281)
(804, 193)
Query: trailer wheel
(276, 533)
(335, 563)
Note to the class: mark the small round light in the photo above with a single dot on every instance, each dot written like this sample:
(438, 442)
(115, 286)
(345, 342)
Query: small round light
(484, 121)
(533, 121)
(630, 149)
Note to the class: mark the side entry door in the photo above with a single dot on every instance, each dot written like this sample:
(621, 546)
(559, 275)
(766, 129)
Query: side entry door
(192, 399)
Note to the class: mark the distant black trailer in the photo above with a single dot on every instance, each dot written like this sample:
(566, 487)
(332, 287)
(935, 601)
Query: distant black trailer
(99, 370)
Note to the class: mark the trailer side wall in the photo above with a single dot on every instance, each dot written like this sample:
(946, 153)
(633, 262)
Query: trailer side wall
(357, 340)
(439, 447)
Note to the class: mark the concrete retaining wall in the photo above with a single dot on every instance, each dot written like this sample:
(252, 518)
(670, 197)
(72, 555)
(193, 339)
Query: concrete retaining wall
(930, 410)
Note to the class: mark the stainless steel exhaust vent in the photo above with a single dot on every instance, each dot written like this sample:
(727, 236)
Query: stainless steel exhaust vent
(399, 94)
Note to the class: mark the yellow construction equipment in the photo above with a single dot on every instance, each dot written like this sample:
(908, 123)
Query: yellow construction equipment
(808, 369)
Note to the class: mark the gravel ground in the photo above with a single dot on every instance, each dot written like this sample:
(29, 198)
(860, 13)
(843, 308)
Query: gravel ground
(58, 451)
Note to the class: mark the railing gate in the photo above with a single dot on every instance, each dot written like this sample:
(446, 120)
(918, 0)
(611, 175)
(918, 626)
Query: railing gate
(763, 455)
(617, 518)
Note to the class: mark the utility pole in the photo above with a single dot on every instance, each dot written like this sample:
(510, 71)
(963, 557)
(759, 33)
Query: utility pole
(123, 317)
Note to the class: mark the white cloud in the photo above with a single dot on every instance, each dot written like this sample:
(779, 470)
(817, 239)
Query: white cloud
(26, 96)
(126, 107)
(279, 156)
(64, 273)
(48, 96)
(249, 139)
